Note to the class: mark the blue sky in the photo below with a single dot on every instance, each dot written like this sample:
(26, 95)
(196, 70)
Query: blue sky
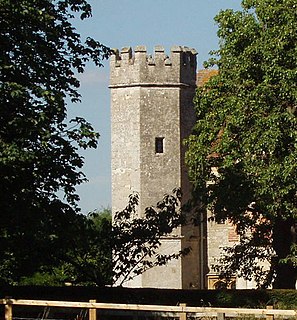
(121, 23)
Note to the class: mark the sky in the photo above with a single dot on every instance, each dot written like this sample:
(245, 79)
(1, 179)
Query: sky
(122, 23)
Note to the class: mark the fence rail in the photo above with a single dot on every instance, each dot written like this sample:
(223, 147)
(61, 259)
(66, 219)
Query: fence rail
(181, 311)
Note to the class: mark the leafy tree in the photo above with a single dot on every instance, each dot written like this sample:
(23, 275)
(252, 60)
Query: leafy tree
(43, 239)
(246, 130)
(87, 258)
(41, 52)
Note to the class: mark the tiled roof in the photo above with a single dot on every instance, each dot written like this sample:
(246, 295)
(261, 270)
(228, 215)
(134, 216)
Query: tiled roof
(204, 75)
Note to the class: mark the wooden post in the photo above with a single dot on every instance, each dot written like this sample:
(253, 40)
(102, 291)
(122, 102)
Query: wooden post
(221, 316)
(92, 312)
(8, 310)
(183, 315)
(269, 316)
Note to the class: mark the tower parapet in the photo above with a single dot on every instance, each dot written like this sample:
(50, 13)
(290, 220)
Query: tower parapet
(159, 69)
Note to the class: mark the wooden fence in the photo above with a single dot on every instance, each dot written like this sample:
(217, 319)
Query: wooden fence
(181, 311)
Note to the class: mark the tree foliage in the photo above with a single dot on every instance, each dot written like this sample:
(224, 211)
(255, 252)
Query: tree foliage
(41, 52)
(79, 253)
(246, 129)
(43, 238)
(87, 258)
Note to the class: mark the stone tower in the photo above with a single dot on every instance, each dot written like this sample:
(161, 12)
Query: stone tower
(151, 113)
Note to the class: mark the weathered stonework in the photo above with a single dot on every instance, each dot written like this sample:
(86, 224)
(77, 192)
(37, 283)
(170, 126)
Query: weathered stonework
(152, 97)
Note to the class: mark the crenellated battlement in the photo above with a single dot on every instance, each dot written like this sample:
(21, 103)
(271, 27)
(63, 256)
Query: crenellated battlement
(126, 56)
(140, 68)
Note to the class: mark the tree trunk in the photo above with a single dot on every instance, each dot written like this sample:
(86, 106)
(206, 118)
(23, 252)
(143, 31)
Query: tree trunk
(284, 235)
